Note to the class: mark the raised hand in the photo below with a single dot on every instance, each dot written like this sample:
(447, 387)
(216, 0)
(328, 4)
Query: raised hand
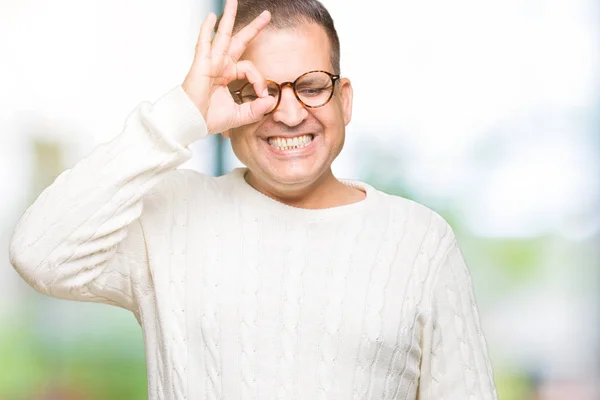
(216, 64)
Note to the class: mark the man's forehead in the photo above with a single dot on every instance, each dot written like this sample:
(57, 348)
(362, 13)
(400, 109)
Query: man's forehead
(285, 54)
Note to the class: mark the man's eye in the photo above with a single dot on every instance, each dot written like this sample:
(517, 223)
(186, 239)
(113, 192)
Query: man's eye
(311, 91)
(249, 97)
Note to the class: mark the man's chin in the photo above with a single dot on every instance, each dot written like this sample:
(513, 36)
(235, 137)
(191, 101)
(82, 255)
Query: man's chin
(290, 178)
(297, 178)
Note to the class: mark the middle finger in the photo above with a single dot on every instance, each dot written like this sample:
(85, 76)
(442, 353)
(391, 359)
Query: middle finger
(244, 36)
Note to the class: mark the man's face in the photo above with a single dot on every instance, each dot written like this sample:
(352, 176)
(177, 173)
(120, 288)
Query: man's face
(283, 55)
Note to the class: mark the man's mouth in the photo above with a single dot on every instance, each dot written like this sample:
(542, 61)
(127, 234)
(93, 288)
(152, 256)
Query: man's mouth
(297, 142)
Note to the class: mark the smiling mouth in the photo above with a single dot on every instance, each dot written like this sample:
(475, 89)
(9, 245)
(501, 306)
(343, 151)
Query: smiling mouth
(297, 142)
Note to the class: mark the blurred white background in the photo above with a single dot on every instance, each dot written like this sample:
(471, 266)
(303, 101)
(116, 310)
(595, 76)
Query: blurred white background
(488, 112)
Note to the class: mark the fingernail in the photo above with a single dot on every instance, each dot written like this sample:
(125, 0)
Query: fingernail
(265, 93)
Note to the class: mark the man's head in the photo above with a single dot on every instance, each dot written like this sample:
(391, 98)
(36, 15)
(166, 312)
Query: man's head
(289, 14)
(301, 37)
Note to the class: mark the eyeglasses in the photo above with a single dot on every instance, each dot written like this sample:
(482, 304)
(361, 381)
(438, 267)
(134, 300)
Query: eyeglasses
(313, 89)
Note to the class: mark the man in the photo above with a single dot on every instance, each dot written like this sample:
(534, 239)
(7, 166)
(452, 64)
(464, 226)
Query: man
(274, 281)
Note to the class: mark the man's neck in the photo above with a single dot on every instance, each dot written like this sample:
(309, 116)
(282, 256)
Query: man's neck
(327, 192)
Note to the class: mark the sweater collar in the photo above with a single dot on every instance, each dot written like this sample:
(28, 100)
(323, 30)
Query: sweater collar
(252, 197)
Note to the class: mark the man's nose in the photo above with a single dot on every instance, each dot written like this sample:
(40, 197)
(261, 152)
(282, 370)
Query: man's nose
(289, 111)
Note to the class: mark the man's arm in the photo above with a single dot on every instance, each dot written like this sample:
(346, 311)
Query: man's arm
(455, 363)
(82, 239)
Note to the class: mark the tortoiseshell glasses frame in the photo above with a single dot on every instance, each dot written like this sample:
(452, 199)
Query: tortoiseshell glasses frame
(237, 95)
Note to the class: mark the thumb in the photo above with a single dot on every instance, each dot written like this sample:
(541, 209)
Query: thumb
(255, 110)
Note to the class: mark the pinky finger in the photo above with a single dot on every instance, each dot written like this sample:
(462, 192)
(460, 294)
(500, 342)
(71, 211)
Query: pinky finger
(203, 46)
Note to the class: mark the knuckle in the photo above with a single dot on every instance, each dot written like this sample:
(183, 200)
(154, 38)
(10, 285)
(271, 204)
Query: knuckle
(223, 33)
(251, 114)
(250, 111)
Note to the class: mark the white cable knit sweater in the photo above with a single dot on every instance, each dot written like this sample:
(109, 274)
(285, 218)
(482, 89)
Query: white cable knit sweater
(242, 297)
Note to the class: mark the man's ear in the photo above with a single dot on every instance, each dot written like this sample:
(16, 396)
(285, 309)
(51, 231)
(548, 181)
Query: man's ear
(226, 133)
(346, 95)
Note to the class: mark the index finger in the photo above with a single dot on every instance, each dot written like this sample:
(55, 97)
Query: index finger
(241, 39)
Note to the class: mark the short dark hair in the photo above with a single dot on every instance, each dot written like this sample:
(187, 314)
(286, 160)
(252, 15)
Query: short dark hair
(288, 14)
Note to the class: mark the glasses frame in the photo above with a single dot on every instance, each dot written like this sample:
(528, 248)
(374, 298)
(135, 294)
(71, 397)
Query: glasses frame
(334, 79)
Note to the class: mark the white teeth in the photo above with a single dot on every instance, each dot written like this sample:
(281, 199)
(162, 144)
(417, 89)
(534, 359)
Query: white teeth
(291, 143)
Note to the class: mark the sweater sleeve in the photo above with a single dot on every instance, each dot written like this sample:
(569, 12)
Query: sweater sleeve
(455, 363)
(81, 239)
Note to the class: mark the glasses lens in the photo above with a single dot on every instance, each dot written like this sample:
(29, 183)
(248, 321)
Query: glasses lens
(248, 93)
(314, 89)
